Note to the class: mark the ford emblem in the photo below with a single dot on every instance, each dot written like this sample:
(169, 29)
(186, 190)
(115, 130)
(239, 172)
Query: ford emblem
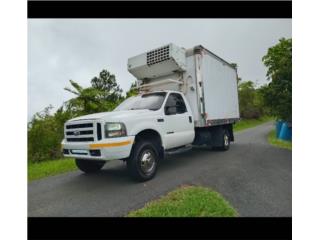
(76, 133)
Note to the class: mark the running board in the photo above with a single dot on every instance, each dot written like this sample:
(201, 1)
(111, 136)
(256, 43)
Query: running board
(178, 150)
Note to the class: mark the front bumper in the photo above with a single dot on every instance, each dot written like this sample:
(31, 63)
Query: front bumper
(110, 149)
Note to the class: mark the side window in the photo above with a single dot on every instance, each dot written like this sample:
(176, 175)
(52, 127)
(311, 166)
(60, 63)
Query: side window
(181, 106)
(175, 104)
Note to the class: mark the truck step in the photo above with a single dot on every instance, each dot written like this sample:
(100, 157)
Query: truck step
(178, 150)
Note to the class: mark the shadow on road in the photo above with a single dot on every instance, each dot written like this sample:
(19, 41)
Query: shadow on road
(115, 172)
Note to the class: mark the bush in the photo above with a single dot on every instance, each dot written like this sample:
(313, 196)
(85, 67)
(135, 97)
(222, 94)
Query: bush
(45, 133)
(250, 102)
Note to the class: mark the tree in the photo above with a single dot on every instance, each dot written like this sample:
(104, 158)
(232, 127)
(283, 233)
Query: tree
(103, 95)
(278, 94)
(106, 82)
(249, 101)
(86, 100)
(133, 91)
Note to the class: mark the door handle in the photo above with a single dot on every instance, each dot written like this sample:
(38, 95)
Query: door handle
(190, 119)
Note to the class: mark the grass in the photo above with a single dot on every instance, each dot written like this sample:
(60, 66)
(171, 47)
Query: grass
(249, 123)
(50, 168)
(273, 140)
(187, 201)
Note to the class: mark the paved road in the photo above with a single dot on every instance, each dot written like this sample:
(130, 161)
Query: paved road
(253, 176)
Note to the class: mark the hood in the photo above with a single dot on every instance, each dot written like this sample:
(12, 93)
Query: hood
(114, 116)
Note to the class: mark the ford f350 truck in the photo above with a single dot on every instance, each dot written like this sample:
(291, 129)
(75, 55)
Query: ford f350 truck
(187, 97)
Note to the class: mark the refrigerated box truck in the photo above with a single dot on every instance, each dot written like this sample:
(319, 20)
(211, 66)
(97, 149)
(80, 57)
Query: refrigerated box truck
(187, 97)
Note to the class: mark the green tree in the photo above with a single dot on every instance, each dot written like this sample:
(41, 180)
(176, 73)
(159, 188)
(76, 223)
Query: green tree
(278, 94)
(86, 100)
(249, 101)
(107, 84)
(133, 91)
(103, 95)
(260, 101)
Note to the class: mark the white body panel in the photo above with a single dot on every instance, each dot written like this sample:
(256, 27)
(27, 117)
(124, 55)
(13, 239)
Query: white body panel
(177, 129)
(220, 89)
(107, 153)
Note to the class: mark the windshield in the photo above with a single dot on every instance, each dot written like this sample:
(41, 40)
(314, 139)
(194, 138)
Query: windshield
(151, 101)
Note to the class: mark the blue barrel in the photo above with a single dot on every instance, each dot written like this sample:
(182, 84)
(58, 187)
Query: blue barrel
(286, 132)
(278, 127)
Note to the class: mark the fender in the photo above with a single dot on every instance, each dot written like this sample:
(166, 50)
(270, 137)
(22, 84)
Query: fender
(144, 125)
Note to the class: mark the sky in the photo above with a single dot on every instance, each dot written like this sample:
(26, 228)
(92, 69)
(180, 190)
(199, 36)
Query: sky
(78, 49)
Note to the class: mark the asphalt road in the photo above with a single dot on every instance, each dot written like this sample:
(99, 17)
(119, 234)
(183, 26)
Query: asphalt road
(253, 176)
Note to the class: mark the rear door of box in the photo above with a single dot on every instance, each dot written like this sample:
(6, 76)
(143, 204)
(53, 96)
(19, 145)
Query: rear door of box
(220, 88)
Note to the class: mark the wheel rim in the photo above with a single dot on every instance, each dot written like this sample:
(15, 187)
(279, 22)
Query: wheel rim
(226, 140)
(147, 162)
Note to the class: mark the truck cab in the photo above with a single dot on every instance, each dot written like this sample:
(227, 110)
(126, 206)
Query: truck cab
(161, 120)
(170, 114)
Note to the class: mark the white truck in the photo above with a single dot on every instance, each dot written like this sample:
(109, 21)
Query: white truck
(186, 97)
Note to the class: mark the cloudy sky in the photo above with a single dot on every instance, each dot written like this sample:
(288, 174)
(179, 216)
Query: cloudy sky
(78, 49)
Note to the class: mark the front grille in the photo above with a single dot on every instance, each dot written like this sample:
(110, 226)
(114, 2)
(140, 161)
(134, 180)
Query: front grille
(83, 125)
(73, 133)
(89, 139)
(80, 132)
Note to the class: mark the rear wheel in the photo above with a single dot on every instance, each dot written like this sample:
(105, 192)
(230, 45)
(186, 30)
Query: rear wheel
(89, 166)
(226, 140)
(143, 162)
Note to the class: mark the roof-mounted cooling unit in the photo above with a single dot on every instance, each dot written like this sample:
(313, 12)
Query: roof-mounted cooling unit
(158, 62)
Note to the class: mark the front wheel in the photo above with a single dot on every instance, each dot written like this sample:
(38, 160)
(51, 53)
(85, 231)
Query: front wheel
(89, 166)
(143, 162)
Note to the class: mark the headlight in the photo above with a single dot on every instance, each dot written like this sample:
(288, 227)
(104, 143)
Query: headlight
(114, 130)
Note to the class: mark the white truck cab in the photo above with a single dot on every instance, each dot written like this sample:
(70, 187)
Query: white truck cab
(171, 113)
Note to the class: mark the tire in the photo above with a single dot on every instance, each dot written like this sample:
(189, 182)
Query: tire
(143, 161)
(89, 166)
(225, 140)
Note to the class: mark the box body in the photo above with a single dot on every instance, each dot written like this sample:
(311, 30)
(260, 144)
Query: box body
(208, 82)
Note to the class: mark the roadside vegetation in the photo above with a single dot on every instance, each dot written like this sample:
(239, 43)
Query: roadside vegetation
(249, 123)
(187, 201)
(50, 168)
(273, 140)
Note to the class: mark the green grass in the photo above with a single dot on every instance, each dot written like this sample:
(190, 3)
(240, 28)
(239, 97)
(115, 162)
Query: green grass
(249, 123)
(187, 201)
(272, 139)
(50, 168)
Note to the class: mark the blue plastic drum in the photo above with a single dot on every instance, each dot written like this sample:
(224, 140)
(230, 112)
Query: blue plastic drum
(278, 127)
(285, 132)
